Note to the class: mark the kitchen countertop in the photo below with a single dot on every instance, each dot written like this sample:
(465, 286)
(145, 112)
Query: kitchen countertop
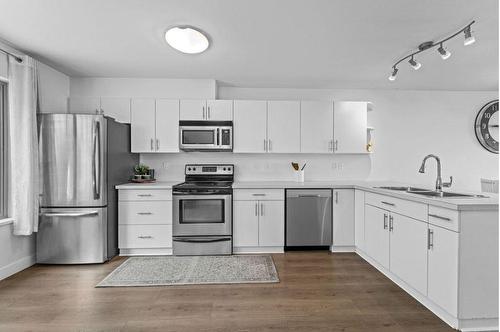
(150, 185)
(462, 204)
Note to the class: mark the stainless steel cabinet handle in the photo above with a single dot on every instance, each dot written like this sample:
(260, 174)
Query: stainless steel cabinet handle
(144, 195)
(144, 213)
(387, 203)
(391, 223)
(70, 214)
(430, 239)
(258, 194)
(157, 144)
(203, 112)
(336, 146)
(337, 197)
(152, 142)
(145, 237)
(261, 209)
(256, 209)
(385, 220)
(209, 115)
(439, 217)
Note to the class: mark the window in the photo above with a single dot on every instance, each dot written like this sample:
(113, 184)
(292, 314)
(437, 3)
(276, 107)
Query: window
(3, 150)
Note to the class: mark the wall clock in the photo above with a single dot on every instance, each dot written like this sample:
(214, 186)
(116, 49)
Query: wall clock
(486, 126)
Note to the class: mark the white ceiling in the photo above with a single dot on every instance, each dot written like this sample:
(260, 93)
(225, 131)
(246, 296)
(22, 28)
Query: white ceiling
(262, 43)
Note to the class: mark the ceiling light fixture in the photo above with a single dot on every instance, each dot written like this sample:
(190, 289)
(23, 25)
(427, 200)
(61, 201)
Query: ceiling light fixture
(445, 54)
(187, 39)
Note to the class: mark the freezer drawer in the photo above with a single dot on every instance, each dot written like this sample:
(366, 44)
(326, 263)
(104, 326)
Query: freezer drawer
(72, 236)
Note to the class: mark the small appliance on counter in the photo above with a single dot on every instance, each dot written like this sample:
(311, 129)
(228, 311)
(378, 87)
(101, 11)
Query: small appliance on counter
(206, 135)
(82, 158)
(203, 211)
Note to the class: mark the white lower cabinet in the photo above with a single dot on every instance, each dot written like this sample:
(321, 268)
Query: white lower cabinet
(245, 224)
(377, 234)
(271, 224)
(359, 219)
(443, 268)
(343, 218)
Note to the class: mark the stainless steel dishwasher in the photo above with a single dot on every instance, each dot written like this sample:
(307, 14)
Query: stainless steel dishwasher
(308, 218)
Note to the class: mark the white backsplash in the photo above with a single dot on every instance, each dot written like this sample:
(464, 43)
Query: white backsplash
(264, 167)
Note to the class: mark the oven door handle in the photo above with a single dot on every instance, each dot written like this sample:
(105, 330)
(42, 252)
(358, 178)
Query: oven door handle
(202, 240)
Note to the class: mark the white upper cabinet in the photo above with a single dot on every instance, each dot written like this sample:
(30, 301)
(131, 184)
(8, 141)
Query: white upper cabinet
(350, 126)
(250, 126)
(316, 126)
(283, 126)
(219, 110)
(85, 105)
(117, 108)
(142, 125)
(193, 109)
(167, 125)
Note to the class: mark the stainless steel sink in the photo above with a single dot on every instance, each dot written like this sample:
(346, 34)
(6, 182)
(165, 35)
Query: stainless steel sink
(407, 188)
(430, 193)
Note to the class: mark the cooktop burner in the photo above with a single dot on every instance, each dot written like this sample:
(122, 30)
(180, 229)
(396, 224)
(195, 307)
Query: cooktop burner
(204, 184)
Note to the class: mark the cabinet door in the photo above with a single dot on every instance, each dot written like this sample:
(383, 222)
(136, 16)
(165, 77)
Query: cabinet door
(85, 105)
(408, 256)
(167, 125)
(142, 125)
(245, 224)
(443, 269)
(117, 108)
(349, 126)
(220, 110)
(271, 223)
(359, 219)
(377, 234)
(193, 110)
(283, 126)
(316, 126)
(250, 126)
(343, 217)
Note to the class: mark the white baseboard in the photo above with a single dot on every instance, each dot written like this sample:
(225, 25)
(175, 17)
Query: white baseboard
(343, 249)
(146, 252)
(258, 250)
(17, 266)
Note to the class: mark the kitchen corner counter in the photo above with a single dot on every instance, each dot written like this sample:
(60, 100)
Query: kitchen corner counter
(462, 204)
(151, 185)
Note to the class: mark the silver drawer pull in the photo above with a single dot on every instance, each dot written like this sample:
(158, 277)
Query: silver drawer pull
(439, 217)
(258, 194)
(309, 195)
(387, 203)
(144, 195)
(145, 237)
(71, 214)
(144, 213)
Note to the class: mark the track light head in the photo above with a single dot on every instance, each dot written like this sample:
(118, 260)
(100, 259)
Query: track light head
(445, 54)
(393, 75)
(415, 65)
(469, 38)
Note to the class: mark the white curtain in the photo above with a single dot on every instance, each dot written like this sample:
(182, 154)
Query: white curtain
(22, 145)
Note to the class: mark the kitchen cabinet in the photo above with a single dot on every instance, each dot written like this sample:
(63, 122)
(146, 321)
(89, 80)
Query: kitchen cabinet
(350, 126)
(283, 126)
(377, 234)
(316, 126)
(443, 268)
(245, 224)
(154, 125)
(271, 223)
(250, 126)
(343, 218)
(167, 125)
(408, 250)
(359, 219)
(117, 108)
(212, 110)
(85, 105)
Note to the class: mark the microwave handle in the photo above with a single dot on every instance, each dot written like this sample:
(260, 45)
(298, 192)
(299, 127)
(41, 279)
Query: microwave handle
(218, 136)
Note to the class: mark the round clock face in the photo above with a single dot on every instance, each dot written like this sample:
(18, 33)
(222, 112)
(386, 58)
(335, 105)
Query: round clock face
(487, 126)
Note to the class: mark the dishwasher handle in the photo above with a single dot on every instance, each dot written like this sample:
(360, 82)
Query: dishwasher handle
(309, 193)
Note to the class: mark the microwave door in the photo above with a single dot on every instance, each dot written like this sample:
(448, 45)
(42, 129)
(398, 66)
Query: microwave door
(194, 138)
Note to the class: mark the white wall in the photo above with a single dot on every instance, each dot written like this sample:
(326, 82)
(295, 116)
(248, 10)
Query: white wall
(18, 252)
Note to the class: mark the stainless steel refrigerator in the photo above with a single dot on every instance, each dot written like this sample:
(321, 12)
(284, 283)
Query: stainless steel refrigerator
(82, 158)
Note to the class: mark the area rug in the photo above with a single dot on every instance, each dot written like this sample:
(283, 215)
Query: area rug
(192, 270)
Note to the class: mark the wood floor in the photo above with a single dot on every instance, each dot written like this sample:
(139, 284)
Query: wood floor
(319, 291)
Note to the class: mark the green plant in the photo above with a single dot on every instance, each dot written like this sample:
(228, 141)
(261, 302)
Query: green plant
(141, 169)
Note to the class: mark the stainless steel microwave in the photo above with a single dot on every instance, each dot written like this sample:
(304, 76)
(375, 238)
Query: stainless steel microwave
(206, 135)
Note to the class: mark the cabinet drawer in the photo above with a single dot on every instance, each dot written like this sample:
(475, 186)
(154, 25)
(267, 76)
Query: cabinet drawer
(259, 194)
(401, 206)
(145, 195)
(148, 212)
(144, 236)
(445, 218)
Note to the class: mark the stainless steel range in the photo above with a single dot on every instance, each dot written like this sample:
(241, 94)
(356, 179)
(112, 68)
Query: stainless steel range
(203, 211)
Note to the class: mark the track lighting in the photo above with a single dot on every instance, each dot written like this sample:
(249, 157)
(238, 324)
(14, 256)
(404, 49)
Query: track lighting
(393, 75)
(469, 38)
(415, 65)
(445, 54)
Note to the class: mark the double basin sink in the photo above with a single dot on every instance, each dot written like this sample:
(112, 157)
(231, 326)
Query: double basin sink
(431, 193)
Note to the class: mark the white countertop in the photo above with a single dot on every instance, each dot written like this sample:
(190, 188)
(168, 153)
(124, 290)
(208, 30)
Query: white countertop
(150, 185)
(468, 203)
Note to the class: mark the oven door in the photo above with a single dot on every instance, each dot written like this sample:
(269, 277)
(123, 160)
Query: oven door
(202, 215)
(198, 138)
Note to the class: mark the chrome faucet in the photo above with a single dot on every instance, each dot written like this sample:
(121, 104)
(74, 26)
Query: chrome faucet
(439, 181)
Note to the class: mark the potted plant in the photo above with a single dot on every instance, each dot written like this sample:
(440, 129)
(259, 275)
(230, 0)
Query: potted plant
(141, 171)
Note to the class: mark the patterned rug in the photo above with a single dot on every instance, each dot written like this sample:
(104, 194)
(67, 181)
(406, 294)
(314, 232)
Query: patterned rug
(192, 270)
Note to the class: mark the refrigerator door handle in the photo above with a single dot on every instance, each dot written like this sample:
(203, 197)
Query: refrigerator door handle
(96, 176)
(71, 214)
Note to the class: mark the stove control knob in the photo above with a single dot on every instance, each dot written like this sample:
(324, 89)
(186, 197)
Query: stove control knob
(224, 169)
(189, 168)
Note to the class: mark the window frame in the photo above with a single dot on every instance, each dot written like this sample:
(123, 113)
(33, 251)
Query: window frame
(3, 151)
